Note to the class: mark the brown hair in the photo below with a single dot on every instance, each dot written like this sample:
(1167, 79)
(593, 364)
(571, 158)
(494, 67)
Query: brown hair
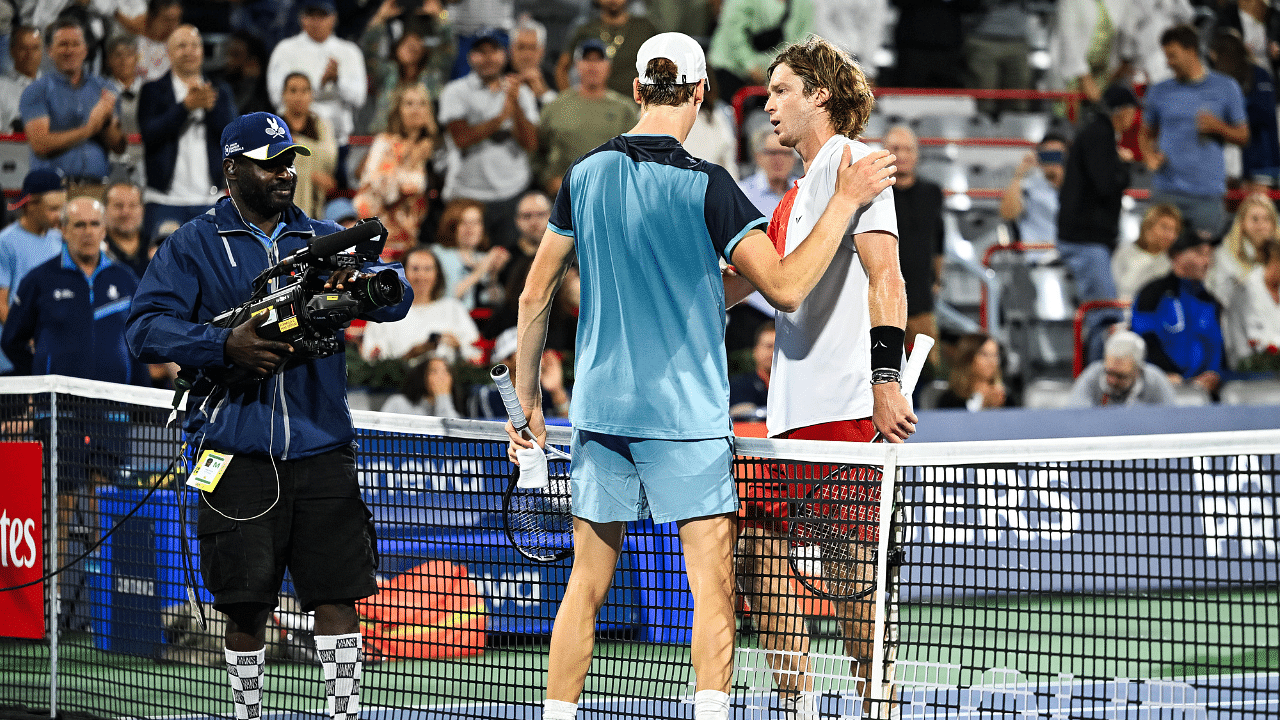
(414, 385)
(395, 123)
(447, 234)
(961, 377)
(1153, 215)
(819, 64)
(665, 90)
(1184, 35)
(437, 288)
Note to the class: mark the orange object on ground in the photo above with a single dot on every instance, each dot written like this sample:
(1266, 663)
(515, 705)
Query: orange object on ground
(430, 612)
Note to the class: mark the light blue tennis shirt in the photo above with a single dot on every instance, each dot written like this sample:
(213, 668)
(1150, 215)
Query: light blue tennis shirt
(650, 223)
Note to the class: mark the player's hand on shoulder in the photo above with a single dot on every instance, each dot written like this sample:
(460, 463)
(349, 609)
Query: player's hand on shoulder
(860, 182)
(891, 413)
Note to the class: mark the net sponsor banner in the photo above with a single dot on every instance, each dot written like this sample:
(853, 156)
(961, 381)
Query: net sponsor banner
(415, 482)
(21, 541)
(1097, 527)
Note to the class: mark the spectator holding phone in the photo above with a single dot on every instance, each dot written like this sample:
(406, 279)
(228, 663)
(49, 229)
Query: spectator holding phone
(1030, 200)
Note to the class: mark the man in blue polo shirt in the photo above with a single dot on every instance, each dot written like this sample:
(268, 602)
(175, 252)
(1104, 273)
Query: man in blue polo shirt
(68, 314)
(71, 116)
(650, 225)
(1186, 121)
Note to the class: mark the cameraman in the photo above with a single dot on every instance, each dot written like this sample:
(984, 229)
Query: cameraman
(288, 496)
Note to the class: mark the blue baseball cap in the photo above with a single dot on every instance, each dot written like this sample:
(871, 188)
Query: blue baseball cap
(258, 136)
(494, 35)
(328, 6)
(37, 182)
(590, 45)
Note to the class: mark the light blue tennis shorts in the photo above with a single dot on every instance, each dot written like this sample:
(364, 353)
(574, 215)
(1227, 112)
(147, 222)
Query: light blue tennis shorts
(619, 479)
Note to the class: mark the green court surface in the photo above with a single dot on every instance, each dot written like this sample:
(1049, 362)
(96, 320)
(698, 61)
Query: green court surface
(1151, 636)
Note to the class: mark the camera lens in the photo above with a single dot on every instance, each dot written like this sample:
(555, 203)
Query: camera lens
(382, 289)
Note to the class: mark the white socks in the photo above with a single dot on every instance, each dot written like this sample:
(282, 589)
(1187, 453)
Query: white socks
(801, 707)
(710, 705)
(342, 658)
(244, 670)
(559, 710)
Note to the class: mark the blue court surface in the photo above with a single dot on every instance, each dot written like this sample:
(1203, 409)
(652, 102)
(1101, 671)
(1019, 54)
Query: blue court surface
(1231, 697)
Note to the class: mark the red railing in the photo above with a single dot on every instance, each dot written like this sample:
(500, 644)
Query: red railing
(986, 262)
(1077, 328)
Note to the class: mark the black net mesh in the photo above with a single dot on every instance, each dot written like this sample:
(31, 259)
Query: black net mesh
(1141, 588)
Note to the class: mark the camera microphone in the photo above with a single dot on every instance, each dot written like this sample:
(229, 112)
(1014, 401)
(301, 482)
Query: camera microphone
(326, 245)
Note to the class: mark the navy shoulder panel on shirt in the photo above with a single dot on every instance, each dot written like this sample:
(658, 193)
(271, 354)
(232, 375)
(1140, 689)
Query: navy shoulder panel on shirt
(660, 149)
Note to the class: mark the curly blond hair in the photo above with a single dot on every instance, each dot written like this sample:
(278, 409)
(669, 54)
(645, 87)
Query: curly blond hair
(819, 64)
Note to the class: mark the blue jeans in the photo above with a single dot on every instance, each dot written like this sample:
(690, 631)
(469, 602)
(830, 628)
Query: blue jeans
(1205, 214)
(1090, 266)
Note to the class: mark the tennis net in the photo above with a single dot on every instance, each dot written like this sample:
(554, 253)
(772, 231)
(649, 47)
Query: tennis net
(1089, 578)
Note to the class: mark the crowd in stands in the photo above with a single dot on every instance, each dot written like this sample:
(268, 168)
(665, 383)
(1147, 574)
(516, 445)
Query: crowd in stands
(453, 121)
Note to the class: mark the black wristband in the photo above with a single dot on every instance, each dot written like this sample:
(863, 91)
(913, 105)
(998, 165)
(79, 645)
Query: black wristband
(886, 347)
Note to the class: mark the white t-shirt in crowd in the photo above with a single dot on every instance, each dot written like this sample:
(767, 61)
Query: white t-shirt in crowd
(335, 102)
(822, 354)
(446, 315)
(496, 168)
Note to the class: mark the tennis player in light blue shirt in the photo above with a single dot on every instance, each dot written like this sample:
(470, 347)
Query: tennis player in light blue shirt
(651, 225)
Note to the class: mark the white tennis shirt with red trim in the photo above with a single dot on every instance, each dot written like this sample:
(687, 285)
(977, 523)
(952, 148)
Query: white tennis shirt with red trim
(822, 354)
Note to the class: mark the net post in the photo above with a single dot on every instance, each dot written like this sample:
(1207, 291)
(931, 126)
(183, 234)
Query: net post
(51, 558)
(888, 482)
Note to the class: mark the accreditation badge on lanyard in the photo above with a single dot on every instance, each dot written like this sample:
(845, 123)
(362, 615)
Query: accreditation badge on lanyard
(209, 470)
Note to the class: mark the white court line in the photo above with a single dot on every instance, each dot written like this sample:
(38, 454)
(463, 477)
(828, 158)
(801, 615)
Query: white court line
(594, 703)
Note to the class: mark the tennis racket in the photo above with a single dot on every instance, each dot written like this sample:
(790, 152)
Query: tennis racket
(834, 532)
(536, 516)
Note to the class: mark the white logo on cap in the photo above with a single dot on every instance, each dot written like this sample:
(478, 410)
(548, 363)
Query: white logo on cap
(232, 149)
(274, 129)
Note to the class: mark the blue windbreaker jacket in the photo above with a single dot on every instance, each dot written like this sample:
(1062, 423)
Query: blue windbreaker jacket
(205, 268)
(77, 322)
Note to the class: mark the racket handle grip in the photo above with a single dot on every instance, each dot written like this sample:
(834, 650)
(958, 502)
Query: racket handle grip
(915, 363)
(502, 378)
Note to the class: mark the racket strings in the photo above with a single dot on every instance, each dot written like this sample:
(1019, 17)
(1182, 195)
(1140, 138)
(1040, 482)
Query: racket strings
(835, 533)
(540, 520)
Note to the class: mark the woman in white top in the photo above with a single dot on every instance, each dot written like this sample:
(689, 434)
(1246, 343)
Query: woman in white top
(1260, 311)
(1256, 221)
(436, 323)
(1135, 264)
